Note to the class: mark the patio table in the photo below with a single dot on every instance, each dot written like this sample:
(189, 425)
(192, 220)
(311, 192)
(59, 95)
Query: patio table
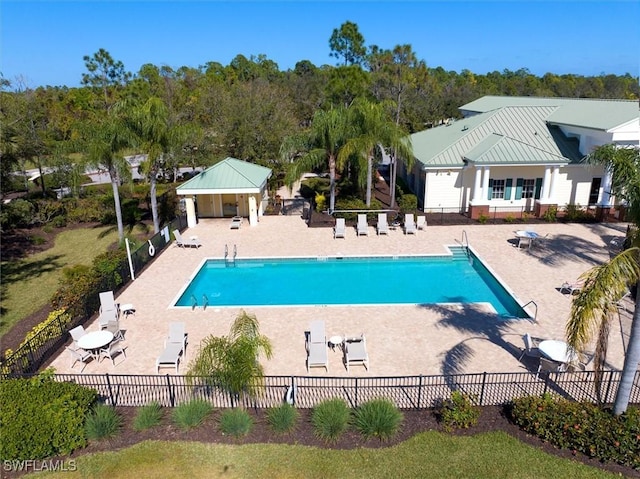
(95, 340)
(558, 351)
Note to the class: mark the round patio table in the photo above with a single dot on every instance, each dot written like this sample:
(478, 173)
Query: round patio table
(557, 351)
(95, 340)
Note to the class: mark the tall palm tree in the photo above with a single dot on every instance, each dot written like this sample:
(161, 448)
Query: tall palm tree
(373, 128)
(105, 140)
(594, 307)
(232, 361)
(319, 147)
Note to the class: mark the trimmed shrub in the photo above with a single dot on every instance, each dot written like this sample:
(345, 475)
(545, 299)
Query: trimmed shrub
(41, 418)
(148, 416)
(378, 418)
(458, 412)
(192, 413)
(104, 422)
(283, 418)
(330, 419)
(236, 422)
(408, 203)
(581, 426)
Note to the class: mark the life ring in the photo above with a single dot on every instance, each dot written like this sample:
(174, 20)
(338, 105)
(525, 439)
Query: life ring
(152, 249)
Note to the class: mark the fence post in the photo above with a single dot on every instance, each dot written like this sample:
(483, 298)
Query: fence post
(113, 403)
(484, 380)
(172, 399)
(419, 392)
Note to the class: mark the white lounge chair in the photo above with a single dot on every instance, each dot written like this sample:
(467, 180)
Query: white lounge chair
(170, 356)
(81, 355)
(355, 351)
(317, 356)
(362, 226)
(409, 224)
(317, 332)
(383, 225)
(421, 222)
(570, 288)
(182, 243)
(177, 335)
(339, 228)
(108, 302)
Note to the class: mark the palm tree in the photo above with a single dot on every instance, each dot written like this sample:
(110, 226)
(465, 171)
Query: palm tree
(319, 147)
(231, 361)
(105, 142)
(373, 129)
(594, 307)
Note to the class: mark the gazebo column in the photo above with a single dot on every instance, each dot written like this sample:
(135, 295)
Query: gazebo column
(603, 209)
(479, 205)
(547, 199)
(191, 211)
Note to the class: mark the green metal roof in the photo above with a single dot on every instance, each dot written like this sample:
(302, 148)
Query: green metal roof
(514, 135)
(596, 114)
(228, 176)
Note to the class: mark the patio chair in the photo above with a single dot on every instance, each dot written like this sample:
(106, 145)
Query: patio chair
(177, 335)
(236, 222)
(76, 333)
(548, 366)
(114, 327)
(317, 356)
(409, 224)
(170, 356)
(421, 222)
(529, 349)
(79, 355)
(571, 288)
(182, 243)
(339, 228)
(362, 227)
(383, 225)
(113, 349)
(355, 351)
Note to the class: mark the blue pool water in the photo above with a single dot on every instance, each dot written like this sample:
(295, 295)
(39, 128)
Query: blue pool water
(348, 280)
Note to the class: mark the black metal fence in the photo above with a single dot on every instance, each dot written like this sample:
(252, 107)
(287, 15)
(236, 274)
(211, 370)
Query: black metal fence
(406, 392)
(31, 355)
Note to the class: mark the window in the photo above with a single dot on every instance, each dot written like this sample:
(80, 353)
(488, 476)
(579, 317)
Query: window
(497, 189)
(528, 188)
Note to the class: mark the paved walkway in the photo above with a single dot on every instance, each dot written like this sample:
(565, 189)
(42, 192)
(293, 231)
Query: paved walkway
(401, 340)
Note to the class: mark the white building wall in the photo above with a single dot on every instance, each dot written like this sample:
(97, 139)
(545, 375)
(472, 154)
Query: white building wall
(443, 190)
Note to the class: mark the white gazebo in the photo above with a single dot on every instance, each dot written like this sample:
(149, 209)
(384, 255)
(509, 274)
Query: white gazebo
(229, 188)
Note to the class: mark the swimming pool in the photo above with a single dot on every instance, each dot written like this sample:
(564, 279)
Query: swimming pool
(455, 278)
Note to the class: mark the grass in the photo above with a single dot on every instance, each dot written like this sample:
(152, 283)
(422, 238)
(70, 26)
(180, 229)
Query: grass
(29, 283)
(104, 422)
(427, 455)
(148, 416)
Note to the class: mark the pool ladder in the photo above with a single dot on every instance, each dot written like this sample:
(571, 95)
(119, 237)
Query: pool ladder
(194, 302)
(230, 260)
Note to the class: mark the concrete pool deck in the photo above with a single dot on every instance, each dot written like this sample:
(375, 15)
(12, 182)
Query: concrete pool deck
(401, 339)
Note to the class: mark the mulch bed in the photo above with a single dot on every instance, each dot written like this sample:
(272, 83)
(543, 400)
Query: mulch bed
(492, 418)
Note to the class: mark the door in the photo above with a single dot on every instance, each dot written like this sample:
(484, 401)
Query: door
(594, 194)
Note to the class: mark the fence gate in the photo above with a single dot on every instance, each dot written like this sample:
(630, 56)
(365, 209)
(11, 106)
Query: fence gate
(294, 206)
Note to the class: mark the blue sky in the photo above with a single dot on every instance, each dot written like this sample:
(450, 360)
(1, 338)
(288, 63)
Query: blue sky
(43, 42)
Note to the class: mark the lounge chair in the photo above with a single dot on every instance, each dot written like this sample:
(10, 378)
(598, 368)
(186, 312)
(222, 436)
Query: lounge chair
(106, 316)
(362, 227)
(317, 332)
(81, 355)
(177, 335)
(317, 356)
(409, 224)
(383, 225)
(182, 243)
(170, 356)
(529, 349)
(421, 222)
(108, 302)
(571, 288)
(236, 222)
(355, 351)
(112, 349)
(339, 228)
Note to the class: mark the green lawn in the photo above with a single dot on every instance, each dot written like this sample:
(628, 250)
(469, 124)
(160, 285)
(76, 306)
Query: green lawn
(427, 455)
(28, 284)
